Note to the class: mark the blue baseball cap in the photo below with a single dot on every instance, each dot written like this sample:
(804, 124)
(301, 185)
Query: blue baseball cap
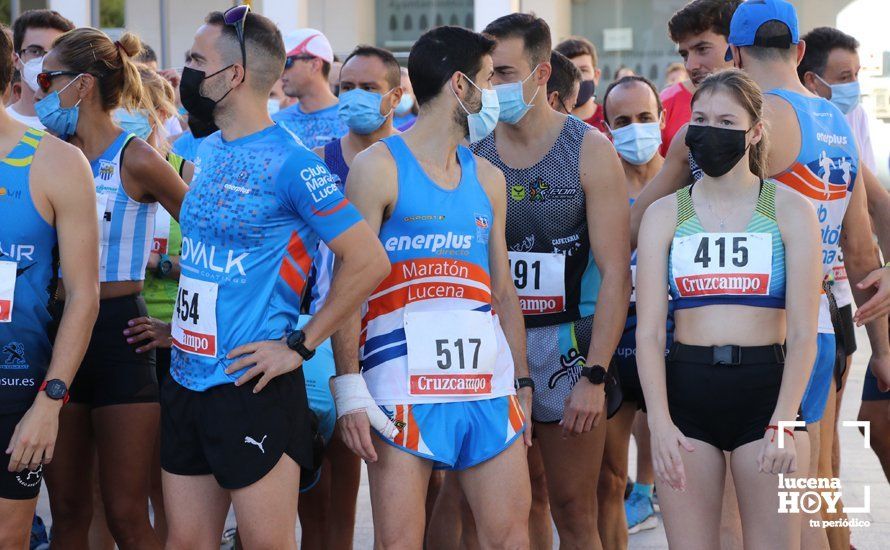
(752, 15)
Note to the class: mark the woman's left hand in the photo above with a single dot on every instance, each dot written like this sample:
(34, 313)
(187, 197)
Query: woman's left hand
(773, 459)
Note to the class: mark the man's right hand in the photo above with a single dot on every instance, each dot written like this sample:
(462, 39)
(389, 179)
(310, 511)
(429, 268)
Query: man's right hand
(584, 408)
(355, 429)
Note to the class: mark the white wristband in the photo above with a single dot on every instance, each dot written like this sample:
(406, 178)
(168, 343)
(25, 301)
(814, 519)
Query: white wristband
(351, 396)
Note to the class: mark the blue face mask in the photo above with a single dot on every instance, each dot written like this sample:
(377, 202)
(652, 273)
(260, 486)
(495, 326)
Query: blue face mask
(482, 123)
(637, 143)
(133, 123)
(844, 96)
(62, 121)
(360, 110)
(511, 97)
(273, 106)
(405, 105)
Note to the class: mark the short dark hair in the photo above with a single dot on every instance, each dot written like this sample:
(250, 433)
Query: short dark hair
(576, 46)
(393, 70)
(38, 19)
(820, 42)
(774, 38)
(564, 75)
(701, 16)
(534, 32)
(262, 43)
(325, 68)
(6, 64)
(441, 52)
(147, 55)
(627, 80)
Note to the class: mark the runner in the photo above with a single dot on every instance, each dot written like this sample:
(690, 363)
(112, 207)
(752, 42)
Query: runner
(113, 407)
(711, 397)
(48, 223)
(699, 30)
(806, 128)
(564, 84)
(830, 69)
(33, 34)
(406, 111)
(447, 307)
(370, 90)
(634, 119)
(582, 53)
(570, 256)
(314, 119)
(236, 425)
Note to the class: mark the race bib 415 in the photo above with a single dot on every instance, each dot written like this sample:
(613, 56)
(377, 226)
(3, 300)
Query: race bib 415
(722, 264)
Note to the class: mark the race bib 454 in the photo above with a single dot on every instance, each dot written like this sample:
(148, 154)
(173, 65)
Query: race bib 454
(194, 317)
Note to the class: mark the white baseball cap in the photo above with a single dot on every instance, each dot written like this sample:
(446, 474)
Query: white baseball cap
(309, 41)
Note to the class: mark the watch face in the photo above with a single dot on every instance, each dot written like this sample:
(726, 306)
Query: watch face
(56, 389)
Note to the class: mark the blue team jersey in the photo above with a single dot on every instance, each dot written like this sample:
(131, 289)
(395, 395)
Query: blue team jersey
(186, 146)
(314, 129)
(250, 226)
(28, 265)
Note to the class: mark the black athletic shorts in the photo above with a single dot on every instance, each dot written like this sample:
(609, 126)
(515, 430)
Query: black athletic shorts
(23, 485)
(162, 364)
(112, 373)
(845, 342)
(724, 405)
(233, 433)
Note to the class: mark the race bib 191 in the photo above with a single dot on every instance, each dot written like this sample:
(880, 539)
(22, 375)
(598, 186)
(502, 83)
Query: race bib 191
(722, 264)
(540, 281)
(7, 290)
(194, 317)
(450, 353)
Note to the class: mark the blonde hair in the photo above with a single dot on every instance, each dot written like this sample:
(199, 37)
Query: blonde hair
(160, 100)
(91, 51)
(744, 91)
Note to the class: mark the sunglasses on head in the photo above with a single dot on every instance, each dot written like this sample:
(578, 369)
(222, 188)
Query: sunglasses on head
(289, 62)
(45, 79)
(236, 17)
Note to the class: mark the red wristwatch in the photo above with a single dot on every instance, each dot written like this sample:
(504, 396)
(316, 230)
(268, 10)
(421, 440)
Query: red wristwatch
(55, 389)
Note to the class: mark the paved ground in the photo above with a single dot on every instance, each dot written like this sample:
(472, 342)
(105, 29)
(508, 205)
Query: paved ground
(859, 468)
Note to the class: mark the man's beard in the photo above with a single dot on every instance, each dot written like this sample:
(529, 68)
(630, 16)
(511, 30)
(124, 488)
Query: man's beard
(473, 103)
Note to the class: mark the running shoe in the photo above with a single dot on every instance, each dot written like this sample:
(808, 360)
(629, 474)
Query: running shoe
(39, 538)
(640, 513)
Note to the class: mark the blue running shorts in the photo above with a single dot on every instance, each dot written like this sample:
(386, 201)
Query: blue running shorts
(816, 395)
(458, 435)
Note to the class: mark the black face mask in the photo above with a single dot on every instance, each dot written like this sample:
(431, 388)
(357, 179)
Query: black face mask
(190, 93)
(585, 92)
(716, 150)
(201, 128)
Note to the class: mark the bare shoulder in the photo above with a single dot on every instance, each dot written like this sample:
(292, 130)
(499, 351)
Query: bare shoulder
(660, 214)
(55, 157)
(596, 143)
(376, 160)
(791, 206)
(319, 151)
(141, 158)
(489, 175)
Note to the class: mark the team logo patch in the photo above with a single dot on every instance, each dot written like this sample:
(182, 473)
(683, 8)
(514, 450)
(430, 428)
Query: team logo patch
(482, 228)
(14, 356)
(538, 190)
(106, 170)
(571, 364)
(517, 192)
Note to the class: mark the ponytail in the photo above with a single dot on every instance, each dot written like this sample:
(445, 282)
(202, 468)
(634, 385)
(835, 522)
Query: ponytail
(91, 51)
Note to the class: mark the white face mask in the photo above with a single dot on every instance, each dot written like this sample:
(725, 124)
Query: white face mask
(30, 70)
(273, 106)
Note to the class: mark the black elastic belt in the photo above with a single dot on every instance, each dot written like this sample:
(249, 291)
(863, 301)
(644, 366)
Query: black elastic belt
(727, 355)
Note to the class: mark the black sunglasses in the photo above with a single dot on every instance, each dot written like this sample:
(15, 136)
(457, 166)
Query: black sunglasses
(45, 79)
(236, 17)
(289, 61)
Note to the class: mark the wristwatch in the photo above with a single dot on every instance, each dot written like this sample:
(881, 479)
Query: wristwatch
(596, 374)
(165, 266)
(295, 342)
(55, 389)
(525, 382)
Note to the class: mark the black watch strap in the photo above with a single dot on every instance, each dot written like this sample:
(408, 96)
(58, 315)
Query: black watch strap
(596, 374)
(525, 382)
(295, 341)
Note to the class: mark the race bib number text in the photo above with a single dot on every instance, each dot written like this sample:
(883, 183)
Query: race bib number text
(722, 264)
(7, 290)
(194, 317)
(540, 281)
(450, 353)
